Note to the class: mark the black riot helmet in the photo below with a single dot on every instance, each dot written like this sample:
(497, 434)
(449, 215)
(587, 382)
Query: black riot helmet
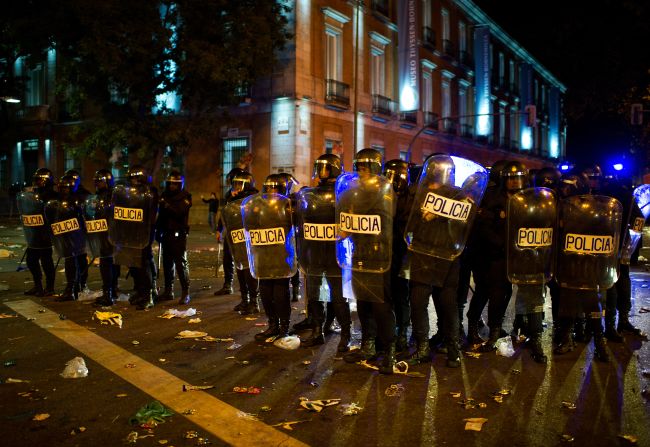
(67, 184)
(275, 183)
(242, 181)
(397, 171)
(231, 175)
(573, 183)
(138, 175)
(495, 171)
(327, 167)
(547, 177)
(43, 178)
(367, 160)
(104, 180)
(594, 174)
(289, 182)
(175, 181)
(75, 175)
(514, 176)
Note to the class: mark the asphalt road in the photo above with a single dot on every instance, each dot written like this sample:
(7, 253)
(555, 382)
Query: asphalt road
(42, 335)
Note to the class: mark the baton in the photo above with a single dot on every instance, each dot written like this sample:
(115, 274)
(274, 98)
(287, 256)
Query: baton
(19, 268)
(216, 268)
(159, 254)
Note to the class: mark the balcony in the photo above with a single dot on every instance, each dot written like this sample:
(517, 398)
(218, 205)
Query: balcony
(514, 145)
(450, 126)
(466, 58)
(428, 38)
(467, 130)
(431, 118)
(409, 117)
(381, 6)
(448, 48)
(337, 93)
(382, 104)
(35, 113)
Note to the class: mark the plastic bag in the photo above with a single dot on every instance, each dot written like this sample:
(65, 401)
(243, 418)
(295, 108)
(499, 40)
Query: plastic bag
(290, 342)
(171, 313)
(75, 369)
(504, 347)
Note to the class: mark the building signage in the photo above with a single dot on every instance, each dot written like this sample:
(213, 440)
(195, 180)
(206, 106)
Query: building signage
(409, 66)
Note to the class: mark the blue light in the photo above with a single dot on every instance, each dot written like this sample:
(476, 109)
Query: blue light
(564, 167)
(618, 166)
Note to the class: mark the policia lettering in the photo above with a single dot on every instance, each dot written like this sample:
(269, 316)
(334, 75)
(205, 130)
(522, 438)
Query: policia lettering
(446, 207)
(535, 237)
(588, 244)
(65, 226)
(96, 226)
(35, 220)
(319, 232)
(267, 236)
(238, 236)
(130, 214)
(359, 223)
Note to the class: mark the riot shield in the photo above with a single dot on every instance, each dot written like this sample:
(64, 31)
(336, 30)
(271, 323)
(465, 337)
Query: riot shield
(235, 234)
(316, 231)
(531, 228)
(98, 214)
(67, 228)
(133, 215)
(589, 232)
(270, 238)
(639, 212)
(446, 201)
(365, 205)
(32, 213)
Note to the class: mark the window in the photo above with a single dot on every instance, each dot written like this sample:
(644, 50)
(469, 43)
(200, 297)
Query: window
(427, 92)
(333, 54)
(35, 86)
(462, 37)
(426, 13)
(233, 150)
(446, 99)
(502, 126)
(378, 70)
(403, 155)
(514, 127)
(333, 147)
(502, 67)
(70, 161)
(462, 106)
(379, 149)
(445, 24)
(511, 76)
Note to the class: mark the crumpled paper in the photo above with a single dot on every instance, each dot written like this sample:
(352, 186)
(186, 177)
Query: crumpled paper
(317, 405)
(190, 334)
(75, 369)
(108, 317)
(174, 313)
(474, 424)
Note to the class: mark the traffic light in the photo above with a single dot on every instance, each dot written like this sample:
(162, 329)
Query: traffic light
(636, 117)
(531, 115)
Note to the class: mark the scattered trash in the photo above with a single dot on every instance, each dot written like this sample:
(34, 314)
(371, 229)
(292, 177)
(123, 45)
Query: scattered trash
(306, 362)
(3, 315)
(75, 369)
(174, 313)
(317, 405)
(474, 355)
(78, 430)
(190, 334)
(194, 320)
(189, 412)
(567, 438)
(260, 324)
(162, 360)
(247, 416)
(399, 368)
(87, 296)
(191, 434)
(288, 425)
(62, 317)
(197, 387)
(121, 395)
(211, 338)
(250, 318)
(4, 287)
(350, 409)
(10, 380)
(151, 414)
(41, 417)
(6, 253)
(233, 347)
(232, 357)
(135, 342)
(504, 346)
(515, 372)
(394, 390)
(629, 438)
(9, 363)
(265, 409)
(206, 287)
(41, 311)
(474, 424)
(455, 394)
(133, 437)
(469, 403)
(112, 318)
(123, 297)
(314, 384)
(290, 342)
(163, 441)
(130, 365)
(568, 405)
(247, 390)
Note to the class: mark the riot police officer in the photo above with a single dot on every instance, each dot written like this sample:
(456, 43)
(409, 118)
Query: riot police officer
(39, 245)
(292, 184)
(228, 265)
(80, 195)
(172, 229)
(316, 228)
(99, 216)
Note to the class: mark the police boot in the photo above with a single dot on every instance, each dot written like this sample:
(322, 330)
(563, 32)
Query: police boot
(344, 342)
(453, 353)
(69, 294)
(342, 313)
(329, 319)
(185, 297)
(473, 337)
(624, 325)
(566, 343)
(518, 326)
(283, 329)
(388, 361)
(243, 304)
(401, 344)
(367, 352)
(315, 338)
(421, 355)
(610, 329)
(272, 330)
(581, 335)
(225, 290)
(491, 344)
(49, 287)
(37, 290)
(106, 299)
(251, 308)
(600, 346)
(167, 295)
(307, 323)
(535, 331)
(146, 303)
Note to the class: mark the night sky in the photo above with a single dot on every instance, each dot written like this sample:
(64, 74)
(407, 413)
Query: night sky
(599, 50)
